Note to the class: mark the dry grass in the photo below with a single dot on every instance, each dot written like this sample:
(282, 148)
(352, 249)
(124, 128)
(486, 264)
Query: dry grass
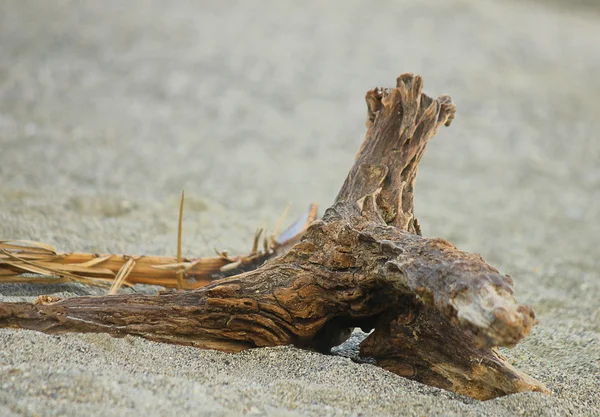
(23, 261)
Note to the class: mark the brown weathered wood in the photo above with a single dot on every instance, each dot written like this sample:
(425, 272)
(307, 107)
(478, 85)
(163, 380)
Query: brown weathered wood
(400, 122)
(421, 344)
(438, 313)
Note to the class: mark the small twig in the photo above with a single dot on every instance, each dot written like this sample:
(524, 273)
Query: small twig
(122, 276)
(179, 238)
(255, 242)
(281, 220)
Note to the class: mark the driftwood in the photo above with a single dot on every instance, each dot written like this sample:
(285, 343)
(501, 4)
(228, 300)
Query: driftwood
(438, 313)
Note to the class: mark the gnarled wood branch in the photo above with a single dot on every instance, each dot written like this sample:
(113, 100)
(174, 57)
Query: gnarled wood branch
(438, 313)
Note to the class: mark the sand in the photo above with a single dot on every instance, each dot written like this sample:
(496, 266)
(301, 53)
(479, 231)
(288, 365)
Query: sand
(108, 109)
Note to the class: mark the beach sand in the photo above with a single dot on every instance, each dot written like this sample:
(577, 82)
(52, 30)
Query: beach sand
(109, 109)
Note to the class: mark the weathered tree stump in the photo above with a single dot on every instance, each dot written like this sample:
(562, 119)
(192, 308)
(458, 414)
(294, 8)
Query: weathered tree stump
(438, 313)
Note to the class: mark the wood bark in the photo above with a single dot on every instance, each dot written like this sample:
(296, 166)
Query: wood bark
(438, 313)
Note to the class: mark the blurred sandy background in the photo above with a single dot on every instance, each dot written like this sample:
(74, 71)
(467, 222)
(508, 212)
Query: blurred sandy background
(109, 108)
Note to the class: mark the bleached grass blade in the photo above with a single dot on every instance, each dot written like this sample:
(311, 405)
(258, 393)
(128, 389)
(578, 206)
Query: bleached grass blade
(179, 239)
(95, 261)
(121, 276)
(28, 245)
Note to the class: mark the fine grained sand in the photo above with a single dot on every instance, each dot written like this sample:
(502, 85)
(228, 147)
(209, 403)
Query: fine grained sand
(108, 109)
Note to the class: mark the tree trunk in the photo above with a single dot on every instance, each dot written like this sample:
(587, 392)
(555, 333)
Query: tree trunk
(437, 312)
